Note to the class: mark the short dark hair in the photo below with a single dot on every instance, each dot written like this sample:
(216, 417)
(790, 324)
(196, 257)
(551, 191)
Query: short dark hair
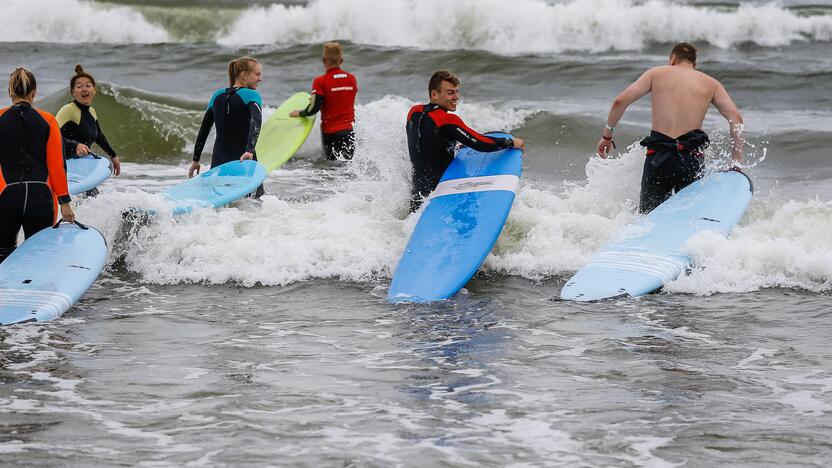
(436, 80)
(684, 51)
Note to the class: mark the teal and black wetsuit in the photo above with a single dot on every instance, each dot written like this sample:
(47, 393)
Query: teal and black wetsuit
(79, 124)
(238, 116)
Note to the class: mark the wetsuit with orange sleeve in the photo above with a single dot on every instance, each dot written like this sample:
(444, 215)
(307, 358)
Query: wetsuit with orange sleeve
(432, 134)
(333, 94)
(32, 174)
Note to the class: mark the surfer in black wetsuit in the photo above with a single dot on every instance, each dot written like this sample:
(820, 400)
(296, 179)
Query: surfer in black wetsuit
(79, 122)
(681, 98)
(32, 176)
(433, 132)
(237, 113)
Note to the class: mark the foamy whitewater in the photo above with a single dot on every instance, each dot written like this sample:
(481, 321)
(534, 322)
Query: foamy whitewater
(75, 21)
(259, 334)
(588, 25)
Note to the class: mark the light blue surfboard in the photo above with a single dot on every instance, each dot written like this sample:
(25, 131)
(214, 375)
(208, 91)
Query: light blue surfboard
(650, 252)
(86, 173)
(218, 187)
(459, 226)
(49, 272)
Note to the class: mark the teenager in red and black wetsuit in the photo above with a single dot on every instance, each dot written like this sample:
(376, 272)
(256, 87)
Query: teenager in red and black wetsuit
(32, 175)
(432, 134)
(333, 93)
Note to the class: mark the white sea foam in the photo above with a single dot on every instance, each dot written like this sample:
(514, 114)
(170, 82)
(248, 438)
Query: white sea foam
(356, 226)
(785, 246)
(75, 21)
(527, 26)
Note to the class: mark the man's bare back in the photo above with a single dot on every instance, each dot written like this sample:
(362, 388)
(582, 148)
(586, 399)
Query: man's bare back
(681, 96)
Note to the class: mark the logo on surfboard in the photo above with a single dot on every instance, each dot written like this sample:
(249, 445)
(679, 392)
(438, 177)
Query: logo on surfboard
(472, 185)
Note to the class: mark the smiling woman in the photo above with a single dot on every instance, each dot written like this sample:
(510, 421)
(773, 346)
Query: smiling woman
(79, 121)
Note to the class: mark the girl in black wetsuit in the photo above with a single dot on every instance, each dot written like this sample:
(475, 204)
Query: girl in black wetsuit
(237, 113)
(79, 122)
(32, 176)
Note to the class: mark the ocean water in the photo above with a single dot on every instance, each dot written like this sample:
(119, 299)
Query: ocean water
(259, 334)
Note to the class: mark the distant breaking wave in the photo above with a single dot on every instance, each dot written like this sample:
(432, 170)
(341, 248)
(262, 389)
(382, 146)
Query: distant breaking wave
(523, 26)
(75, 21)
(508, 27)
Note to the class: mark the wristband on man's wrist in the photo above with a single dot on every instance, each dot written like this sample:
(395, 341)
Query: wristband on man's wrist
(610, 140)
(609, 127)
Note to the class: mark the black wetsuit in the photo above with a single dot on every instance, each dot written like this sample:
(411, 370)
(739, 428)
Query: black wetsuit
(79, 124)
(32, 176)
(432, 134)
(671, 165)
(237, 114)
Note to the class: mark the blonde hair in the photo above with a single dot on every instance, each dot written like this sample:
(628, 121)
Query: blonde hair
(21, 83)
(238, 67)
(333, 53)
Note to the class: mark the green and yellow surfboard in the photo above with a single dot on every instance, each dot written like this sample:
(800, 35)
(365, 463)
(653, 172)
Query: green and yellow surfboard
(282, 136)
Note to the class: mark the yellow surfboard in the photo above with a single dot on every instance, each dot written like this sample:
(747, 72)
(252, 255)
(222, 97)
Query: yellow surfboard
(282, 136)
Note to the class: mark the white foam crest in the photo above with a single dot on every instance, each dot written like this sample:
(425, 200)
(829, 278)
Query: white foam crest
(787, 246)
(75, 21)
(357, 234)
(529, 26)
(549, 232)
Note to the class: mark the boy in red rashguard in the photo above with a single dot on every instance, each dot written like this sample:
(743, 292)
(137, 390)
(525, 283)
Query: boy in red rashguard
(333, 93)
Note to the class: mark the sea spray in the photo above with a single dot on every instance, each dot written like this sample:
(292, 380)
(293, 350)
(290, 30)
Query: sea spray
(353, 226)
(542, 27)
(75, 21)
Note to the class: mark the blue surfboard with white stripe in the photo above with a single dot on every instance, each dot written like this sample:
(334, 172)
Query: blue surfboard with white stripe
(651, 252)
(215, 188)
(459, 226)
(49, 272)
(86, 173)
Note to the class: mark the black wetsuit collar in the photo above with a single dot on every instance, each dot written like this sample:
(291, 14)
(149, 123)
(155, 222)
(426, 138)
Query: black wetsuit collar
(430, 107)
(81, 106)
(23, 104)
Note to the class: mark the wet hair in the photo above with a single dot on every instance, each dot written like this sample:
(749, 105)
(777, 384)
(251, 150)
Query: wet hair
(333, 53)
(436, 80)
(21, 83)
(684, 51)
(79, 73)
(238, 67)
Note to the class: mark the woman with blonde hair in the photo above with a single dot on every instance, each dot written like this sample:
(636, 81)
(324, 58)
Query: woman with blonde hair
(32, 176)
(236, 112)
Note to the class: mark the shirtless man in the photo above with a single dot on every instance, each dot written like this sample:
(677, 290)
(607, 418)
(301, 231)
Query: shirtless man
(681, 96)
